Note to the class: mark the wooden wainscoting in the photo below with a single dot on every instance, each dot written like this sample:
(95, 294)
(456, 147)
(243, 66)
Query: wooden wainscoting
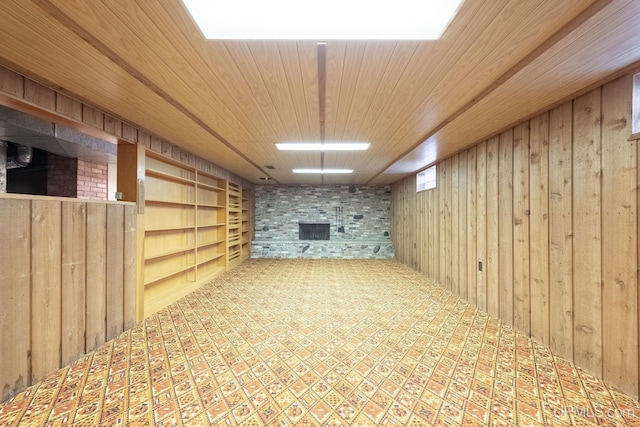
(550, 209)
(67, 282)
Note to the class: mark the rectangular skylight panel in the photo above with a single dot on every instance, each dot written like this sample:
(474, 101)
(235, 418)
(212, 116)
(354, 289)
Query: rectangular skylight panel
(326, 20)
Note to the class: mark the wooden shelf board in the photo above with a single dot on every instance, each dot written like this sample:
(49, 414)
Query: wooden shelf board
(167, 275)
(211, 225)
(168, 177)
(210, 187)
(168, 253)
(180, 228)
(213, 258)
(210, 243)
(166, 202)
(215, 272)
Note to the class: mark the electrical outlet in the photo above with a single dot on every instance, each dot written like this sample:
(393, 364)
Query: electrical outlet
(479, 265)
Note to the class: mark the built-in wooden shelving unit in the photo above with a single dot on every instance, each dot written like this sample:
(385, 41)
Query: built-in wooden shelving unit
(194, 229)
(170, 225)
(211, 226)
(234, 224)
(247, 223)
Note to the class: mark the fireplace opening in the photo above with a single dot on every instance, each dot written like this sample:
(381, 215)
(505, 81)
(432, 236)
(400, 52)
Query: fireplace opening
(313, 231)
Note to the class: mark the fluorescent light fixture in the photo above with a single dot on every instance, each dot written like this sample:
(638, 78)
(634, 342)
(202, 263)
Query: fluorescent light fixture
(327, 20)
(317, 146)
(322, 171)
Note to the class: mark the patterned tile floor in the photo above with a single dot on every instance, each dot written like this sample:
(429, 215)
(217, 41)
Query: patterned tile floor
(320, 343)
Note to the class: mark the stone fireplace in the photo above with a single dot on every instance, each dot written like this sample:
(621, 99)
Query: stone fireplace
(322, 221)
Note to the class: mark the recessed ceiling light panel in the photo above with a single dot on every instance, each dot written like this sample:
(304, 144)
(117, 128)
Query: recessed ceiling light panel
(318, 146)
(331, 20)
(322, 171)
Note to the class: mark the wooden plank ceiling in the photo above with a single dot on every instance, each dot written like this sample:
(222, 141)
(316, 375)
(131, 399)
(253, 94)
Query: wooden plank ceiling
(144, 61)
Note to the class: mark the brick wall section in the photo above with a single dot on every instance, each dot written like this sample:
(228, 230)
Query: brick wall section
(93, 178)
(62, 173)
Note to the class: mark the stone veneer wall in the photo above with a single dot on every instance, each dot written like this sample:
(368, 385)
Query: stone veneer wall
(366, 213)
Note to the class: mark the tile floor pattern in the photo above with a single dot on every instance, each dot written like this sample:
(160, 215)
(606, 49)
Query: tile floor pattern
(321, 343)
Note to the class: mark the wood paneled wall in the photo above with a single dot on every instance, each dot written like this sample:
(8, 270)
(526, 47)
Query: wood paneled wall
(67, 282)
(550, 209)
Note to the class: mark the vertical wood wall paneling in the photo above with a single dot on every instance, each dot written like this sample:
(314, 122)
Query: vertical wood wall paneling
(401, 225)
(492, 235)
(442, 226)
(437, 250)
(619, 237)
(462, 225)
(587, 247)
(447, 223)
(560, 192)
(521, 303)
(402, 207)
(455, 238)
(505, 226)
(410, 230)
(417, 224)
(411, 196)
(73, 280)
(39, 94)
(408, 240)
(431, 256)
(472, 259)
(481, 225)
(115, 270)
(69, 107)
(421, 230)
(539, 227)
(11, 82)
(411, 202)
(414, 205)
(130, 275)
(409, 245)
(561, 230)
(96, 333)
(140, 226)
(46, 287)
(637, 142)
(15, 300)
